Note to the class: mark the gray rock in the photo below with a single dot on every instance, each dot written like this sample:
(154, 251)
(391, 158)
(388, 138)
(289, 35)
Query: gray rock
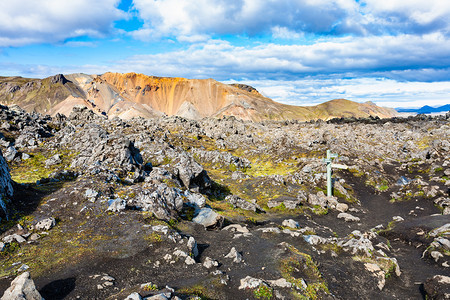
(14, 237)
(314, 239)
(403, 181)
(11, 153)
(6, 189)
(235, 255)
(207, 217)
(46, 224)
(192, 173)
(209, 263)
(290, 223)
(91, 195)
(116, 205)
(348, 217)
(250, 283)
(134, 296)
(54, 160)
(164, 202)
(236, 228)
(192, 246)
(195, 199)
(161, 296)
(241, 203)
(22, 287)
(342, 207)
(318, 199)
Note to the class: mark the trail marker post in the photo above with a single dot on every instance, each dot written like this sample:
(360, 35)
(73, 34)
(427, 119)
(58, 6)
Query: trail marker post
(330, 165)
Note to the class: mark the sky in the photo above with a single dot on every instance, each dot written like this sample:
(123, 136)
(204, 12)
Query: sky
(395, 53)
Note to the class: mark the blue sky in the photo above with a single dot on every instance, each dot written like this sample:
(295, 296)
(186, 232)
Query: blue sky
(395, 52)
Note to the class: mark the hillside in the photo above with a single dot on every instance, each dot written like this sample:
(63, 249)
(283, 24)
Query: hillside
(130, 95)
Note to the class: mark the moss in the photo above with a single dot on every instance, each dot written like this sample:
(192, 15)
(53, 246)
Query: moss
(299, 269)
(266, 166)
(319, 210)
(383, 188)
(154, 237)
(150, 287)
(196, 290)
(53, 252)
(263, 292)
(33, 169)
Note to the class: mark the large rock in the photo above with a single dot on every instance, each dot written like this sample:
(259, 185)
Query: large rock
(208, 218)
(22, 288)
(241, 203)
(6, 189)
(192, 173)
(164, 202)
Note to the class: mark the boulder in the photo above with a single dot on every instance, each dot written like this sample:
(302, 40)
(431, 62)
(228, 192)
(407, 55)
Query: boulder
(192, 174)
(348, 217)
(46, 224)
(250, 283)
(22, 288)
(290, 223)
(164, 201)
(242, 204)
(235, 255)
(134, 296)
(116, 205)
(6, 189)
(208, 218)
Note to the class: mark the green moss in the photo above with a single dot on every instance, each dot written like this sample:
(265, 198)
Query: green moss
(263, 292)
(33, 169)
(299, 269)
(150, 287)
(383, 188)
(319, 210)
(53, 252)
(154, 237)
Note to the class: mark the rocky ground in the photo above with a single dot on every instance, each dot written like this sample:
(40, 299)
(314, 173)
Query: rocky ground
(171, 208)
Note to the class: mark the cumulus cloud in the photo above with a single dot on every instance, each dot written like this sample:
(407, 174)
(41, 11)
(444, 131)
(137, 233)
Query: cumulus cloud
(25, 22)
(383, 92)
(330, 17)
(396, 57)
(192, 17)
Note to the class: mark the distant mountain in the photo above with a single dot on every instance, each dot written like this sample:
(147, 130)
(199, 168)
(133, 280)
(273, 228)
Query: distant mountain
(131, 95)
(425, 109)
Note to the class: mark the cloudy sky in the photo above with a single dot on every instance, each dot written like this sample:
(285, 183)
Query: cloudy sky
(392, 52)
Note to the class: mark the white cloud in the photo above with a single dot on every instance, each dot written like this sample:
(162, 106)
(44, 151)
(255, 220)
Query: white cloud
(292, 18)
(192, 17)
(384, 92)
(397, 57)
(284, 33)
(25, 22)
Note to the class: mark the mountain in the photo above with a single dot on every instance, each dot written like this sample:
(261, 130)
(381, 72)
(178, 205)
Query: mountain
(130, 95)
(426, 109)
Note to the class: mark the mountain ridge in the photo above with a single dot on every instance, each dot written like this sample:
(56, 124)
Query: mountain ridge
(426, 109)
(129, 95)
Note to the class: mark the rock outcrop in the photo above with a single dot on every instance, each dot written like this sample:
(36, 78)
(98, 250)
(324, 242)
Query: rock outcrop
(22, 288)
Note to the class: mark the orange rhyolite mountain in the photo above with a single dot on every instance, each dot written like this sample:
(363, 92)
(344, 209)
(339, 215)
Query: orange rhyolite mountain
(130, 95)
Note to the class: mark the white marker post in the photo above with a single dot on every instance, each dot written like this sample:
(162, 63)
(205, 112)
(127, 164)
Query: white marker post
(330, 165)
